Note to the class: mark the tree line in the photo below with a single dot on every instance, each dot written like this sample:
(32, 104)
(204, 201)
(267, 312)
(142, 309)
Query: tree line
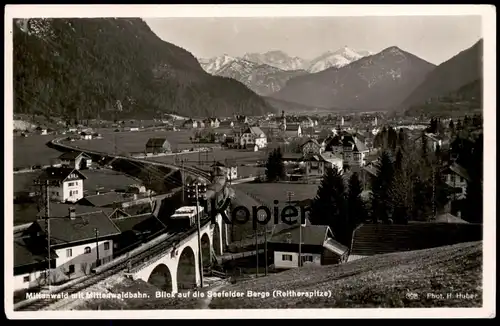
(408, 185)
(82, 69)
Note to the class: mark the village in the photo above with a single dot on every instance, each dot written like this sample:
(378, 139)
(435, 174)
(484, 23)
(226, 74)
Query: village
(308, 148)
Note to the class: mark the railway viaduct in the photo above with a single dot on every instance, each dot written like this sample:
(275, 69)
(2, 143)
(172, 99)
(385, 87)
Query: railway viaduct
(177, 267)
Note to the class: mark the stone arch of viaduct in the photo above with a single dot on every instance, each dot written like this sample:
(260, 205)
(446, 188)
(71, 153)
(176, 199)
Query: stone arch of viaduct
(177, 269)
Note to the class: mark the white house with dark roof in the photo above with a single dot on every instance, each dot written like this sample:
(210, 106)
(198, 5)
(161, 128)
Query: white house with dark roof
(76, 160)
(79, 242)
(30, 263)
(318, 247)
(456, 177)
(253, 136)
(354, 151)
(65, 183)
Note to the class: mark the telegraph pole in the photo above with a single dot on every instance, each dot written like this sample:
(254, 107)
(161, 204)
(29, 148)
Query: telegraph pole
(256, 253)
(265, 247)
(97, 262)
(45, 201)
(290, 194)
(433, 193)
(47, 225)
(183, 180)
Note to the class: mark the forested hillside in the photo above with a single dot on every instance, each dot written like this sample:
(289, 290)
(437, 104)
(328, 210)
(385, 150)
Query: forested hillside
(466, 100)
(115, 68)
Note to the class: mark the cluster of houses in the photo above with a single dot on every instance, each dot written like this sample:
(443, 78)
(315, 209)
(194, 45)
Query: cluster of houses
(85, 230)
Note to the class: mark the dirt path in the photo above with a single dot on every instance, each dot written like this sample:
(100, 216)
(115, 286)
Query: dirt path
(205, 302)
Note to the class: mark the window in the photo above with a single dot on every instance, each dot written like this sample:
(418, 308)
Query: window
(106, 245)
(69, 252)
(26, 279)
(286, 257)
(87, 250)
(71, 184)
(357, 156)
(71, 269)
(461, 179)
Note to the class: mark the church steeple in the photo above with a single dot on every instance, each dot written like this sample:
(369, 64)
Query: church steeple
(283, 121)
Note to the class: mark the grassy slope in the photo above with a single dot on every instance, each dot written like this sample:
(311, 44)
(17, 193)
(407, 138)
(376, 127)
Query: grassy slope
(380, 281)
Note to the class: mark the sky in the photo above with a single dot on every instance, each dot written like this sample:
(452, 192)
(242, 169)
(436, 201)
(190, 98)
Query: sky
(432, 38)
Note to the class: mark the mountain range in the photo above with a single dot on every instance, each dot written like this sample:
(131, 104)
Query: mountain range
(465, 68)
(269, 72)
(379, 81)
(116, 68)
(354, 80)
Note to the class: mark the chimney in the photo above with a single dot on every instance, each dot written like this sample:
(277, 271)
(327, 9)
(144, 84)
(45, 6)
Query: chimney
(72, 213)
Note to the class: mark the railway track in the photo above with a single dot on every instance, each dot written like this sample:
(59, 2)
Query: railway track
(129, 262)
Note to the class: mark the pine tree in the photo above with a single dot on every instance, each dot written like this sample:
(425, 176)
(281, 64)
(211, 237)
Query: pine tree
(275, 169)
(421, 193)
(398, 163)
(402, 139)
(329, 205)
(355, 205)
(382, 183)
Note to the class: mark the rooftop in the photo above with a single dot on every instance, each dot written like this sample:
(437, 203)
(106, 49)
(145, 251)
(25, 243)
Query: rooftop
(372, 239)
(103, 200)
(83, 227)
(311, 235)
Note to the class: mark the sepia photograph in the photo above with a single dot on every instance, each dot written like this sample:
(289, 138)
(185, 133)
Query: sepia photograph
(305, 161)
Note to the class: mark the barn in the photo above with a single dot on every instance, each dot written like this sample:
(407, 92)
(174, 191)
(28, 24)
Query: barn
(158, 145)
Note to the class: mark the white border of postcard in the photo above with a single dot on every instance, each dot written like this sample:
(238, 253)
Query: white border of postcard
(489, 254)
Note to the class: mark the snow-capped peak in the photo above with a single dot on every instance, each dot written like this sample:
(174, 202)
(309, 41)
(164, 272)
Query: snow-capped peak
(212, 65)
(337, 59)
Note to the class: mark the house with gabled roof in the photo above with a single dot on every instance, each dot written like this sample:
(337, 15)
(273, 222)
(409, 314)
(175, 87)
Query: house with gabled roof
(318, 246)
(354, 151)
(79, 242)
(456, 177)
(65, 184)
(253, 136)
(212, 122)
(334, 145)
(433, 141)
(75, 159)
(311, 146)
(158, 145)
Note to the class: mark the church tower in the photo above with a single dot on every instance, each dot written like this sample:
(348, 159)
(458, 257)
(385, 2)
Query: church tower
(283, 121)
